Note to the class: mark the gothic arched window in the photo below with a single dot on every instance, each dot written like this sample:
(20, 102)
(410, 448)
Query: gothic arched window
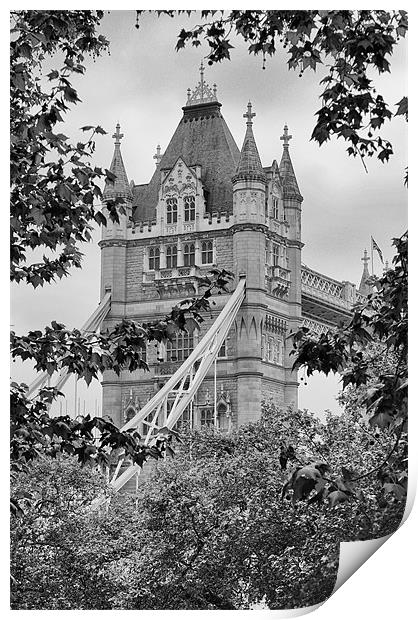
(130, 413)
(207, 252)
(276, 255)
(180, 347)
(189, 255)
(154, 258)
(171, 210)
(171, 256)
(276, 208)
(206, 417)
(222, 417)
(189, 208)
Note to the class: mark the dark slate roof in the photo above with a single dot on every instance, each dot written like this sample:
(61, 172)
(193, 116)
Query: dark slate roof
(139, 192)
(249, 165)
(201, 138)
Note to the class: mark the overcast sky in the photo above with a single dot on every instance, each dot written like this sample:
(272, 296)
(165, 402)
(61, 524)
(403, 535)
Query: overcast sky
(143, 83)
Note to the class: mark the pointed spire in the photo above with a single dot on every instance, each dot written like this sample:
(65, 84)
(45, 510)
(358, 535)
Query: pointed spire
(286, 171)
(120, 187)
(365, 288)
(249, 165)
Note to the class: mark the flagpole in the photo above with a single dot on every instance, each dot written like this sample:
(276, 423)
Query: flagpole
(371, 250)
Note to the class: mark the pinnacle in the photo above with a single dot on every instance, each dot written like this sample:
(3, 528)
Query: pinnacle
(121, 186)
(286, 167)
(249, 165)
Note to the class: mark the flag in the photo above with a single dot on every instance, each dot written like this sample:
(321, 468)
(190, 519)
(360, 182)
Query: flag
(378, 250)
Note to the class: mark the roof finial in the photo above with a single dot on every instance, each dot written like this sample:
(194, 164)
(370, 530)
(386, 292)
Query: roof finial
(117, 135)
(202, 93)
(249, 115)
(285, 137)
(365, 259)
(202, 72)
(157, 155)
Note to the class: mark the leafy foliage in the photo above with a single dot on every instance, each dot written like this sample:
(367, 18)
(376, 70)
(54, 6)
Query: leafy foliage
(87, 355)
(212, 529)
(53, 559)
(54, 188)
(348, 44)
(370, 353)
(53, 184)
(34, 432)
(383, 318)
(231, 521)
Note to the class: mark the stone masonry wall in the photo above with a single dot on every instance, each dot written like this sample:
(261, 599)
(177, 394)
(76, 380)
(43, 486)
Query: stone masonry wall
(134, 271)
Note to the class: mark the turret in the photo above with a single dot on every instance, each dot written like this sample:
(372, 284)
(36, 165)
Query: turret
(292, 197)
(249, 180)
(119, 189)
(249, 246)
(114, 234)
(292, 202)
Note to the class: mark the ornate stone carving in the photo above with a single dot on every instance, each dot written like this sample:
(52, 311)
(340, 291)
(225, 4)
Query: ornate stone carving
(202, 93)
(130, 406)
(277, 280)
(179, 187)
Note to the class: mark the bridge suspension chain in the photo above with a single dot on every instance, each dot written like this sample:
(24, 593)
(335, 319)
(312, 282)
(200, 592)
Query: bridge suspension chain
(164, 410)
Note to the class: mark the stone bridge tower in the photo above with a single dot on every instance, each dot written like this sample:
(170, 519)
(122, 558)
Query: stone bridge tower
(209, 204)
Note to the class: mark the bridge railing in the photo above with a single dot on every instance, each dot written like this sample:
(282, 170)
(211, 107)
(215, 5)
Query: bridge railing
(315, 326)
(342, 294)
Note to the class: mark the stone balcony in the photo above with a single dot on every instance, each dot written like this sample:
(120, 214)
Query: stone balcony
(277, 280)
(170, 281)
